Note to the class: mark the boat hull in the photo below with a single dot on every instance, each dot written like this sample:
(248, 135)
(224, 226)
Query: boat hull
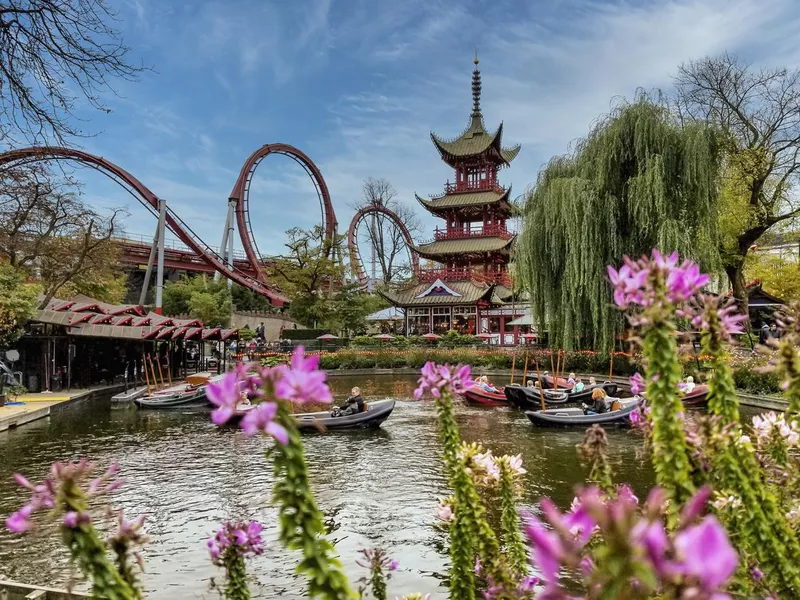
(530, 398)
(574, 417)
(373, 417)
(174, 400)
(476, 395)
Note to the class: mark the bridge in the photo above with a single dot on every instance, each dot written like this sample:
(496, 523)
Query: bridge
(135, 252)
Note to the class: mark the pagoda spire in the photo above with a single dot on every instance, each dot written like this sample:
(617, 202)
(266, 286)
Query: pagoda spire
(476, 89)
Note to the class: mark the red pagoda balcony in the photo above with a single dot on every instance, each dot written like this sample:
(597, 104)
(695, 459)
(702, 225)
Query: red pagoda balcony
(467, 186)
(460, 274)
(485, 231)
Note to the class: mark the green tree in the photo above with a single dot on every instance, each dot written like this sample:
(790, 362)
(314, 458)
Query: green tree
(757, 112)
(248, 300)
(200, 297)
(308, 274)
(778, 276)
(18, 302)
(50, 233)
(640, 180)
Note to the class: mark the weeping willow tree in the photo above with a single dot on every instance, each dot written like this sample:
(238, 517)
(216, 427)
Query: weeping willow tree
(638, 181)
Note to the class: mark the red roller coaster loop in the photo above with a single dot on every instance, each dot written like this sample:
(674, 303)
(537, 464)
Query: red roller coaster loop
(352, 243)
(241, 195)
(148, 199)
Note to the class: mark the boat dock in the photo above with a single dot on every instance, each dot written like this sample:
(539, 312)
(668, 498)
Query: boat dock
(11, 590)
(31, 407)
(131, 394)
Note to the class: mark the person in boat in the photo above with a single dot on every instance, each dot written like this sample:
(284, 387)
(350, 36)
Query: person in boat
(598, 406)
(578, 386)
(486, 386)
(244, 400)
(688, 387)
(353, 405)
(571, 379)
(531, 384)
(592, 381)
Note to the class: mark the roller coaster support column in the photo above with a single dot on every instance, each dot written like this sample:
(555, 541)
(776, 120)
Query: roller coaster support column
(149, 273)
(162, 217)
(226, 246)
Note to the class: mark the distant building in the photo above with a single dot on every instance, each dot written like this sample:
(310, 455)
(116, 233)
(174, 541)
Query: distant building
(469, 288)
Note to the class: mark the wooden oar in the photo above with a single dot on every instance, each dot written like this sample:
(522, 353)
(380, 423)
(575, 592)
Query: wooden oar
(558, 368)
(146, 376)
(552, 369)
(611, 366)
(525, 371)
(513, 366)
(160, 373)
(541, 389)
(153, 372)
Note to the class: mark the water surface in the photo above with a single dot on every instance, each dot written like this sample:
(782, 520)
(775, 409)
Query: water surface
(377, 488)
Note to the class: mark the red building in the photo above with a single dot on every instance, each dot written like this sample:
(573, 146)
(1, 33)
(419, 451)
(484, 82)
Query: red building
(467, 286)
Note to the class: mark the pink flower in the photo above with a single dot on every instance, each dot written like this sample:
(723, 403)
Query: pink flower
(71, 519)
(224, 394)
(243, 539)
(706, 553)
(696, 505)
(261, 418)
(580, 524)
(303, 383)
(637, 384)
(636, 418)
(546, 549)
(652, 537)
(435, 378)
(19, 521)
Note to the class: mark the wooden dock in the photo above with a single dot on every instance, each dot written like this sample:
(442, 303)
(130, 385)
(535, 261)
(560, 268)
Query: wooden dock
(11, 590)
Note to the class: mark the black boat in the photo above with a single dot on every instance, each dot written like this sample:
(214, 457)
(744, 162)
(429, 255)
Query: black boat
(526, 398)
(530, 398)
(575, 417)
(376, 413)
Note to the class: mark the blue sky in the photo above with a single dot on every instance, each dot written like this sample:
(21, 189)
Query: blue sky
(359, 84)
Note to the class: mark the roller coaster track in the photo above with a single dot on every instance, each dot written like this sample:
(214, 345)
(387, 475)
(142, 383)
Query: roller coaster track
(178, 227)
(241, 194)
(352, 242)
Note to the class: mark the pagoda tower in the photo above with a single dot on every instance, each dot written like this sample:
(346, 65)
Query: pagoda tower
(475, 243)
(468, 287)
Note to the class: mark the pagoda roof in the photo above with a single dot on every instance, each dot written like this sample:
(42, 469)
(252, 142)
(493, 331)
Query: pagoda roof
(475, 141)
(469, 245)
(419, 294)
(463, 199)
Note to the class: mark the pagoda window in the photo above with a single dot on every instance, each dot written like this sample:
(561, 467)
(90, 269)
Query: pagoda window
(441, 319)
(465, 319)
(419, 321)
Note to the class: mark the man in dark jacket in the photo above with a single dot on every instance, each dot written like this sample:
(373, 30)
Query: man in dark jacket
(354, 404)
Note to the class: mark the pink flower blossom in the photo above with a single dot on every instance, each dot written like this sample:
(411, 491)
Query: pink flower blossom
(546, 549)
(705, 553)
(261, 418)
(20, 521)
(240, 538)
(435, 378)
(224, 394)
(635, 418)
(303, 382)
(637, 384)
(651, 536)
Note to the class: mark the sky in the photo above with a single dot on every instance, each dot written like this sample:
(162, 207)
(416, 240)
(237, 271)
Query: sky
(358, 85)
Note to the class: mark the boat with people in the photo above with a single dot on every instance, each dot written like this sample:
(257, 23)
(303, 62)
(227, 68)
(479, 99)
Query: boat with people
(530, 398)
(619, 415)
(477, 395)
(373, 415)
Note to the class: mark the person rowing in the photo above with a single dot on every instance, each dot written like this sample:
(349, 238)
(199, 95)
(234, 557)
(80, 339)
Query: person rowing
(353, 405)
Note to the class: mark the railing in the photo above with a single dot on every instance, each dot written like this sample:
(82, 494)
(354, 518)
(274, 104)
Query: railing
(485, 185)
(486, 230)
(169, 244)
(449, 274)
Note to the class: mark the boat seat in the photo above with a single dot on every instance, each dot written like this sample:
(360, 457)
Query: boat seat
(616, 405)
(366, 407)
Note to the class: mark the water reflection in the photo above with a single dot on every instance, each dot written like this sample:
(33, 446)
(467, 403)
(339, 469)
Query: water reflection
(375, 487)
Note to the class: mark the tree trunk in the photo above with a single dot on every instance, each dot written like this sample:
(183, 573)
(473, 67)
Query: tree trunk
(736, 277)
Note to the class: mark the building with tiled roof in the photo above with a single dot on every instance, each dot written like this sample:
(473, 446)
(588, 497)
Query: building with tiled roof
(467, 287)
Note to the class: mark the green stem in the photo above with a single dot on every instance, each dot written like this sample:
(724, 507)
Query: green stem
(89, 552)
(236, 582)
(789, 366)
(670, 451)
(301, 524)
(509, 520)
